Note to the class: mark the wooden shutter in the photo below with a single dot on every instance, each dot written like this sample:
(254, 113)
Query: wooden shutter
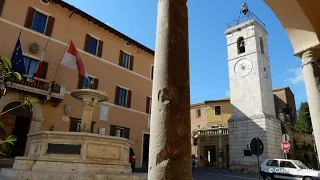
(86, 42)
(1, 6)
(49, 27)
(116, 98)
(80, 82)
(44, 69)
(121, 57)
(129, 99)
(148, 104)
(29, 18)
(73, 125)
(126, 133)
(95, 84)
(152, 68)
(112, 130)
(131, 62)
(100, 48)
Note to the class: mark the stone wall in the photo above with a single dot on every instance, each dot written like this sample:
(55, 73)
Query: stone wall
(304, 149)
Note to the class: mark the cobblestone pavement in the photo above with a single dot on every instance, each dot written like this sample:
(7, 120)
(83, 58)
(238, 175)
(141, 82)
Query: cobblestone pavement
(211, 174)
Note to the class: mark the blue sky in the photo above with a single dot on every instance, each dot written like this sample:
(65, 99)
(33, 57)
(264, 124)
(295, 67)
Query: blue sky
(208, 52)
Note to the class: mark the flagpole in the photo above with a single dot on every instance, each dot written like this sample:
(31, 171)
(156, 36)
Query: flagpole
(45, 47)
(20, 33)
(61, 61)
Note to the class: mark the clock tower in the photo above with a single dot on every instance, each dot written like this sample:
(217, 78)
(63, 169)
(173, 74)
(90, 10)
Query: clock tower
(251, 94)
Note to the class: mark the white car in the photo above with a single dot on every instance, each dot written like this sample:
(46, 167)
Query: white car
(287, 169)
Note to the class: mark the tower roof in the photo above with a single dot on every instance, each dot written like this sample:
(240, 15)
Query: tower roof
(244, 16)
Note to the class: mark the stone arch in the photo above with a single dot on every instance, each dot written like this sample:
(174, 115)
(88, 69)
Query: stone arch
(300, 20)
(37, 113)
(240, 45)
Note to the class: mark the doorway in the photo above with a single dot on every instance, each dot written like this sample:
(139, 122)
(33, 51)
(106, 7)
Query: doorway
(17, 122)
(20, 130)
(145, 155)
(210, 158)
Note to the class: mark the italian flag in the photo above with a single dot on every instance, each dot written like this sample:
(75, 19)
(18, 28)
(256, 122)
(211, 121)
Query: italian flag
(72, 59)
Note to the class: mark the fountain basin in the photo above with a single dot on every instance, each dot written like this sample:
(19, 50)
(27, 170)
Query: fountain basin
(75, 152)
(94, 95)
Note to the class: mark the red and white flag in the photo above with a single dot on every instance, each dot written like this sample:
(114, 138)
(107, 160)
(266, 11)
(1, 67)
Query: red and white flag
(73, 60)
(39, 72)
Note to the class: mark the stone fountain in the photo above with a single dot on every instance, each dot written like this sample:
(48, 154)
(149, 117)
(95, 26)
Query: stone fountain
(57, 155)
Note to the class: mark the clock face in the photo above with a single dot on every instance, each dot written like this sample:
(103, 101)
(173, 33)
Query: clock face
(243, 67)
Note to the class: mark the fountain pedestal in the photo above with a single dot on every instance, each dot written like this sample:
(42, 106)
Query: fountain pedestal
(75, 155)
(89, 99)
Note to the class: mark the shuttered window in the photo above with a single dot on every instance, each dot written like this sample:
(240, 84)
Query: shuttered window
(151, 71)
(75, 125)
(39, 22)
(119, 131)
(31, 66)
(123, 97)
(126, 60)
(91, 83)
(1, 6)
(93, 45)
(148, 105)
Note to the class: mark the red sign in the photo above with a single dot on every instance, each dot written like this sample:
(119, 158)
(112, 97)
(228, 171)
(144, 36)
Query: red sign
(285, 146)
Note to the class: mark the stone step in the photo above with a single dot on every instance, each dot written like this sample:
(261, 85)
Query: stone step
(38, 175)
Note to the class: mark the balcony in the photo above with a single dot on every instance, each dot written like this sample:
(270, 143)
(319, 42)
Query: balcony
(214, 131)
(39, 86)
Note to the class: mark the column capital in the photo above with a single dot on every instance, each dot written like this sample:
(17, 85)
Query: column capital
(310, 56)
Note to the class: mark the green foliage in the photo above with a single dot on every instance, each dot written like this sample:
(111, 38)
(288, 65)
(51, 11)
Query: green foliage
(5, 68)
(303, 123)
(5, 145)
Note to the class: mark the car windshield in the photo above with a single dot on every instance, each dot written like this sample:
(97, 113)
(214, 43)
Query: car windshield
(300, 164)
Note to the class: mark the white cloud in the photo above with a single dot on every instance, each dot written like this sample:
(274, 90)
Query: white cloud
(227, 93)
(298, 76)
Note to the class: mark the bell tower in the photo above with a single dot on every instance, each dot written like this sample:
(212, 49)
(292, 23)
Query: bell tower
(251, 94)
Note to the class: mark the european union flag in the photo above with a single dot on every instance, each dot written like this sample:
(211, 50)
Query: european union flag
(17, 59)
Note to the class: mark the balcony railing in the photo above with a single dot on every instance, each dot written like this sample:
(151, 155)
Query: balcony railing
(214, 131)
(39, 86)
(244, 18)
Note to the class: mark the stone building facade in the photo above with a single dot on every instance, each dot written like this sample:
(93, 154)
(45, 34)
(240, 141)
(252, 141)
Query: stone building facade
(116, 64)
(209, 134)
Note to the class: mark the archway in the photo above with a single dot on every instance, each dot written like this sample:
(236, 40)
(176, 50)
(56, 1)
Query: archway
(33, 116)
(17, 122)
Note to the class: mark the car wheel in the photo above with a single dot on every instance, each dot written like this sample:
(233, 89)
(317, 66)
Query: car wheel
(268, 177)
(307, 178)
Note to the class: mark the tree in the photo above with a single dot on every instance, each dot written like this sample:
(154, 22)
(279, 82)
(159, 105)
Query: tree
(303, 123)
(6, 74)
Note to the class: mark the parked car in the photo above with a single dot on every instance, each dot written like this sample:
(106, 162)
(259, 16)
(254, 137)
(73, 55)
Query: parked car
(287, 169)
(132, 160)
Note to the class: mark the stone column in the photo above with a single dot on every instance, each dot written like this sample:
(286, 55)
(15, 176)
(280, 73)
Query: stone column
(220, 159)
(311, 73)
(88, 105)
(170, 145)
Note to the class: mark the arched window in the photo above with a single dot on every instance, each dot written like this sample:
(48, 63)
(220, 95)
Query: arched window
(261, 46)
(240, 45)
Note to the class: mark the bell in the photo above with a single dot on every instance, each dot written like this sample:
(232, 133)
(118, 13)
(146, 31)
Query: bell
(241, 44)
(244, 8)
